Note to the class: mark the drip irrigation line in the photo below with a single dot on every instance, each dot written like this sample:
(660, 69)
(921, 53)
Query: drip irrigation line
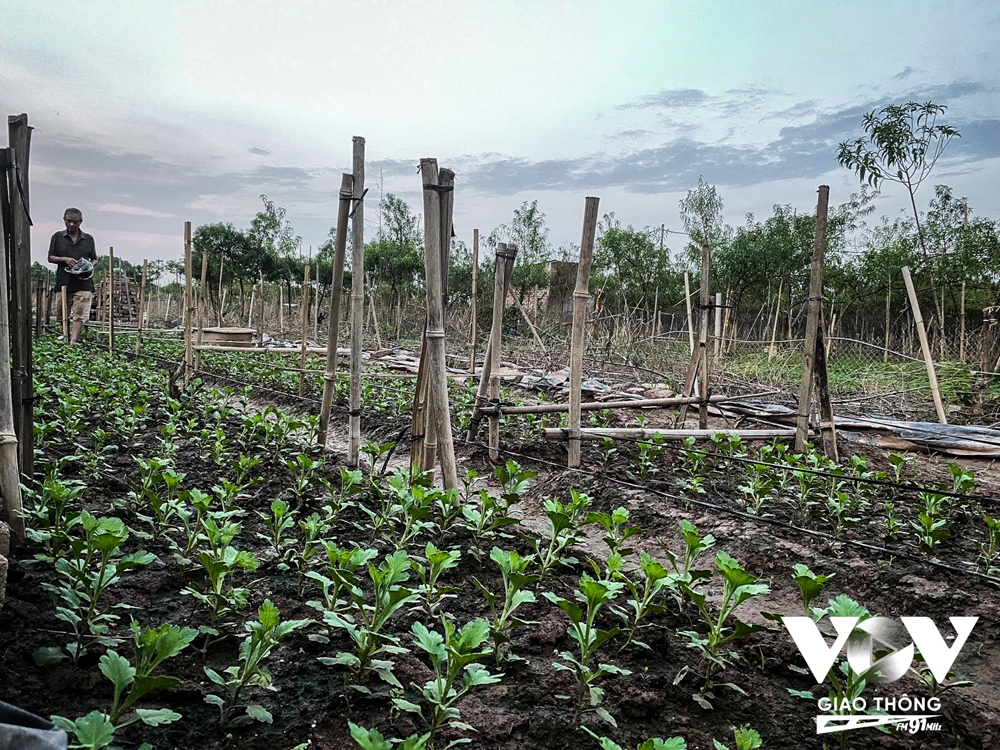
(756, 519)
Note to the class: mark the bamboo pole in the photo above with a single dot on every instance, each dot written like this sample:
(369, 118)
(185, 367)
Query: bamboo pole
(281, 309)
(503, 266)
(827, 425)
(703, 298)
(581, 297)
(142, 306)
(718, 324)
(222, 297)
(814, 312)
(375, 325)
(39, 303)
(961, 334)
(305, 329)
(655, 328)
(10, 489)
(166, 313)
(202, 299)
(111, 299)
(357, 299)
(434, 221)
(888, 302)
(48, 298)
(642, 403)
(316, 305)
(188, 303)
(687, 301)
(773, 350)
(925, 348)
(646, 433)
(336, 291)
(531, 326)
(475, 292)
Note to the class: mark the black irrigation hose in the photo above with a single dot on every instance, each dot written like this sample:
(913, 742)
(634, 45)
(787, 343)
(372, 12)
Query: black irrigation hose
(757, 519)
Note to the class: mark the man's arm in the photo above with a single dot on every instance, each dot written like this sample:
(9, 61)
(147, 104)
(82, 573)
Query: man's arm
(53, 258)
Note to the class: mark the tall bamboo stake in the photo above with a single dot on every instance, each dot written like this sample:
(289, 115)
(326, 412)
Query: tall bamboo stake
(10, 490)
(475, 291)
(111, 299)
(142, 306)
(581, 296)
(718, 325)
(202, 302)
(39, 303)
(222, 298)
(65, 313)
(961, 334)
(888, 301)
(440, 416)
(774, 329)
(316, 305)
(336, 291)
(305, 328)
(281, 308)
(812, 319)
(188, 303)
(48, 298)
(655, 328)
(703, 301)
(503, 265)
(357, 300)
(925, 348)
(687, 301)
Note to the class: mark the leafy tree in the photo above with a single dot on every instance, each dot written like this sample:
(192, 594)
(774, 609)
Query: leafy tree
(630, 268)
(395, 259)
(902, 143)
(527, 230)
(701, 212)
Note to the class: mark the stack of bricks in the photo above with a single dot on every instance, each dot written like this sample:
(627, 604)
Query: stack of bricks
(4, 551)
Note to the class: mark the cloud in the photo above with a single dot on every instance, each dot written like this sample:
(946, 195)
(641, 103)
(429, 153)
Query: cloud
(118, 208)
(905, 73)
(667, 99)
(258, 151)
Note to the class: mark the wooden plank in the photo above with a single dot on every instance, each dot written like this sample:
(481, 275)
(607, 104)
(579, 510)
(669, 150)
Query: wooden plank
(581, 297)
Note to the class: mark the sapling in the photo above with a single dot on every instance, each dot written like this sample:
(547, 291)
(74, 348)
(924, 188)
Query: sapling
(738, 586)
(758, 487)
(890, 523)
(516, 579)
(810, 584)
(453, 656)
(653, 743)
(514, 480)
(429, 572)
(365, 623)
(594, 595)
(648, 453)
(898, 462)
(265, 635)
(486, 521)
(694, 545)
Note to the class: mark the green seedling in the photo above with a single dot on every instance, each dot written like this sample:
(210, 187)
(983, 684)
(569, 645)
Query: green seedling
(365, 623)
(265, 635)
(644, 593)
(890, 523)
(745, 737)
(191, 514)
(453, 656)
(313, 528)
(989, 551)
(563, 532)
(341, 573)
(738, 586)
(757, 488)
(429, 572)
(279, 521)
(594, 595)
(50, 517)
(931, 524)
(647, 456)
(372, 739)
(898, 462)
(303, 470)
(513, 571)
(653, 743)
(616, 530)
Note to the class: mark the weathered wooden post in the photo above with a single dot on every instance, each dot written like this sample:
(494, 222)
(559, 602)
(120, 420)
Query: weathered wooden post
(718, 326)
(39, 297)
(925, 348)
(336, 291)
(581, 296)
(142, 306)
(305, 330)
(111, 299)
(774, 330)
(703, 303)
(10, 490)
(48, 297)
(690, 319)
(815, 338)
(188, 303)
(65, 313)
(475, 292)
(19, 135)
(357, 299)
(961, 330)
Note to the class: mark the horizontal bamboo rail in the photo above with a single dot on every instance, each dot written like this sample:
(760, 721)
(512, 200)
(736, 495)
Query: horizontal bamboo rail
(645, 433)
(641, 403)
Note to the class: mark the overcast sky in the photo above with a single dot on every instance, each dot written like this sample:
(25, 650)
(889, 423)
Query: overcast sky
(150, 113)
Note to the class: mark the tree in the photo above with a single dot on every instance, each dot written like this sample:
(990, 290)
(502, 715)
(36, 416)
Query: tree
(701, 212)
(395, 258)
(902, 143)
(527, 230)
(630, 268)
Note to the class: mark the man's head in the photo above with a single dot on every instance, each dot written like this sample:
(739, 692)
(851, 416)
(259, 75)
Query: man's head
(73, 218)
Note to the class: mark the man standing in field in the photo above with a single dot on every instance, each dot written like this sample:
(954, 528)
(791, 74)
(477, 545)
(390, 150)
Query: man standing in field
(74, 252)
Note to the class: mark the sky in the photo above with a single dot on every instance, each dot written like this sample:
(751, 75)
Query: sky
(147, 114)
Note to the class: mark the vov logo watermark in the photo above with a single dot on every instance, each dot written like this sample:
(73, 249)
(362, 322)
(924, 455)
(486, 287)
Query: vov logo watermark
(859, 636)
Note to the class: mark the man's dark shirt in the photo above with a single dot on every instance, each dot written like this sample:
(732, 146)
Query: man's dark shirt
(63, 247)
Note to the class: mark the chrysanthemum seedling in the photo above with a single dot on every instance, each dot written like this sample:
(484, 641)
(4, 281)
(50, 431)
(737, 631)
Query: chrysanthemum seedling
(745, 737)
(516, 579)
(653, 743)
(279, 522)
(372, 739)
(644, 591)
(429, 572)
(562, 533)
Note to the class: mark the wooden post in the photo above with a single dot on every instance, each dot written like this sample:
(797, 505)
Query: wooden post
(142, 306)
(494, 420)
(503, 266)
(202, 307)
(111, 299)
(188, 303)
(357, 300)
(774, 329)
(336, 291)
(888, 301)
(316, 305)
(687, 301)
(655, 328)
(434, 220)
(19, 135)
(305, 329)
(378, 333)
(827, 426)
(581, 297)
(718, 325)
(10, 490)
(39, 303)
(281, 309)
(475, 292)
(48, 298)
(815, 309)
(961, 334)
(918, 320)
(222, 298)
(703, 301)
